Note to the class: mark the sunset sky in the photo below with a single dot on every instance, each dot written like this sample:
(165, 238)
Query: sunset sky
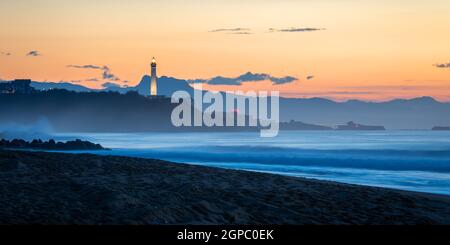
(350, 49)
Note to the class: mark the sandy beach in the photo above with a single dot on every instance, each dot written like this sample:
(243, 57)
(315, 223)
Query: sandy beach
(57, 188)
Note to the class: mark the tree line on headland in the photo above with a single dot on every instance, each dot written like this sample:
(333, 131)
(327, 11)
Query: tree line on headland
(69, 111)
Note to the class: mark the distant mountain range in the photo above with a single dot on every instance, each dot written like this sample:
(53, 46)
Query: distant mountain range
(166, 86)
(417, 113)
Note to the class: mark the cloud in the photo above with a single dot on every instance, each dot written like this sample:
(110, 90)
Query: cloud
(110, 85)
(34, 53)
(5, 53)
(88, 67)
(107, 75)
(247, 31)
(247, 77)
(230, 29)
(309, 77)
(442, 65)
(234, 31)
(224, 80)
(295, 29)
(106, 72)
(92, 80)
(282, 80)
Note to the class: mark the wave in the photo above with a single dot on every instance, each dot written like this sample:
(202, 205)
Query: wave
(408, 160)
(434, 161)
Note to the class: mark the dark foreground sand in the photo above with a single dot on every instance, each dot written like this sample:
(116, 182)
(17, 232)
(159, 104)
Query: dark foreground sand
(53, 188)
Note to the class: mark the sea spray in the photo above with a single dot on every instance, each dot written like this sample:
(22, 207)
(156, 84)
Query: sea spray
(41, 129)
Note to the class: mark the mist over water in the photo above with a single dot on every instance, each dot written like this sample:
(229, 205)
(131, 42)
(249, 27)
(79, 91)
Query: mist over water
(408, 160)
(40, 129)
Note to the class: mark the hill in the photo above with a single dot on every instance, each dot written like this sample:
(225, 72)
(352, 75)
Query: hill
(416, 113)
(88, 112)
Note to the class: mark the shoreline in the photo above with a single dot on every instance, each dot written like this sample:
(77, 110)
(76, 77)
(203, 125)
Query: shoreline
(69, 188)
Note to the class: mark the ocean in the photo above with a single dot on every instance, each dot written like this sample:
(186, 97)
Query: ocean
(406, 160)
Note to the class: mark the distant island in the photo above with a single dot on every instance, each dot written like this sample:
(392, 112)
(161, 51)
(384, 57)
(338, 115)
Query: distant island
(38, 144)
(297, 125)
(441, 128)
(356, 126)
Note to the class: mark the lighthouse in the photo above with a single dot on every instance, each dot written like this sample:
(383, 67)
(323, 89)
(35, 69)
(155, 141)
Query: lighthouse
(153, 85)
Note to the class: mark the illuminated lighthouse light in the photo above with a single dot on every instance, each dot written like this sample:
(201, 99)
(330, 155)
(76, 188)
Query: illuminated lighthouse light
(153, 83)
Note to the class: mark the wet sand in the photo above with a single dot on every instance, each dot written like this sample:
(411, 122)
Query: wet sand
(57, 188)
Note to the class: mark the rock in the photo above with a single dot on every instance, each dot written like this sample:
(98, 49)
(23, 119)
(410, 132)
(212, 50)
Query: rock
(50, 145)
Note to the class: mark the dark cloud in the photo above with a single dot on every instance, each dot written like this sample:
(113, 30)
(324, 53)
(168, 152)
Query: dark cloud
(34, 53)
(239, 29)
(442, 65)
(282, 80)
(92, 80)
(107, 75)
(110, 85)
(5, 53)
(292, 29)
(106, 72)
(247, 77)
(247, 31)
(309, 77)
(88, 67)
(224, 80)
(234, 31)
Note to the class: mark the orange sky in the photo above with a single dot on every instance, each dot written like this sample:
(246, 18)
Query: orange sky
(372, 50)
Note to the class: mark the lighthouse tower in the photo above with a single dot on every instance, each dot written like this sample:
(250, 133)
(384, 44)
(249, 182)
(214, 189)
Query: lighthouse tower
(153, 85)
